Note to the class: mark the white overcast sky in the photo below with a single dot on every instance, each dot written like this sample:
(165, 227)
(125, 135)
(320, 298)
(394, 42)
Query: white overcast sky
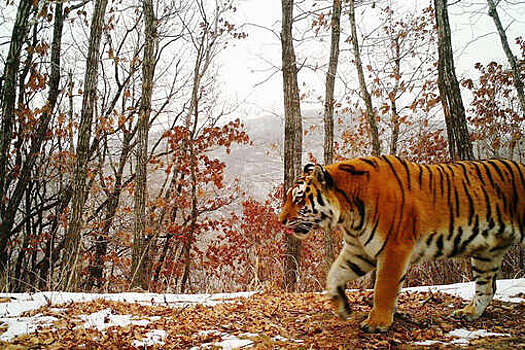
(248, 63)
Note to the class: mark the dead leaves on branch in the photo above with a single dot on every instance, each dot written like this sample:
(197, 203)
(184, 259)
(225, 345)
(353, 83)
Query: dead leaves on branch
(272, 320)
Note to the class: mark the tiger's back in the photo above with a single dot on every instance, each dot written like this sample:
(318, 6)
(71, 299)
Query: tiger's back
(461, 208)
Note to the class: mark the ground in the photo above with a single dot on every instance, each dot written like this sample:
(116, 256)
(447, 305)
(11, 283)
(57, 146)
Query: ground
(265, 320)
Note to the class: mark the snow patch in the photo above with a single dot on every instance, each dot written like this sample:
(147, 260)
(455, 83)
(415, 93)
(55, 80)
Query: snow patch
(103, 319)
(464, 336)
(155, 337)
(506, 290)
(228, 342)
(24, 325)
(23, 302)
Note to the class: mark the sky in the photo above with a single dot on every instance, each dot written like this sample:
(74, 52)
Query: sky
(246, 69)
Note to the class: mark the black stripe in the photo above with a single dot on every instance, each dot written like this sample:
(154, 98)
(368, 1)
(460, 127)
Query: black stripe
(478, 271)
(344, 299)
(366, 260)
(369, 162)
(351, 169)
(320, 199)
(478, 171)
(489, 174)
(456, 248)
(356, 269)
(448, 183)
(496, 167)
(387, 236)
(373, 233)
(439, 245)
(405, 165)
(361, 208)
(402, 278)
(500, 221)
(465, 173)
(430, 182)
(430, 238)
(450, 223)
(420, 176)
(480, 258)
(441, 186)
(518, 167)
(514, 189)
(398, 182)
(343, 193)
(311, 199)
(475, 232)
(481, 282)
(501, 247)
(470, 204)
(487, 202)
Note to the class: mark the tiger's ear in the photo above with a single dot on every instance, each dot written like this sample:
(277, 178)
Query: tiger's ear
(308, 168)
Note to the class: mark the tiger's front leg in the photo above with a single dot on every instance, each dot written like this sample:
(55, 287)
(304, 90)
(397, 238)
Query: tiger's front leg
(391, 269)
(351, 263)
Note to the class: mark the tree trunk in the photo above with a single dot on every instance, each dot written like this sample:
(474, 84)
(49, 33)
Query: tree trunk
(329, 111)
(393, 97)
(293, 134)
(7, 102)
(365, 95)
(516, 74)
(140, 256)
(460, 146)
(71, 264)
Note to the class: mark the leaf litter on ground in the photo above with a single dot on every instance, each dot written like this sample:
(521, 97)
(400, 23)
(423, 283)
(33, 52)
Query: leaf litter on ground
(267, 320)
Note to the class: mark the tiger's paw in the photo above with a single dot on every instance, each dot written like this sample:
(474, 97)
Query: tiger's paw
(374, 324)
(467, 313)
(341, 306)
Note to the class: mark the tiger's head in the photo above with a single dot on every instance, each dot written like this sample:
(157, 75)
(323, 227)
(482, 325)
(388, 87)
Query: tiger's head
(310, 203)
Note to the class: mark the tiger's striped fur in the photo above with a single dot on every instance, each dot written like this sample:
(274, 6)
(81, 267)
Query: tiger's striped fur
(393, 213)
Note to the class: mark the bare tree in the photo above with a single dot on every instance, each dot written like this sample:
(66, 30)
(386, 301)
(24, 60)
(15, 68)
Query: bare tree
(140, 258)
(516, 74)
(293, 132)
(71, 255)
(460, 146)
(8, 89)
(365, 95)
(335, 26)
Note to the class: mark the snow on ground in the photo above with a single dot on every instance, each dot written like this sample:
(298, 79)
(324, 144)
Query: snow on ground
(12, 324)
(463, 337)
(22, 302)
(511, 291)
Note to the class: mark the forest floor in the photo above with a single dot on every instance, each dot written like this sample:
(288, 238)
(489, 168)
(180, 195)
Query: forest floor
(265, 320)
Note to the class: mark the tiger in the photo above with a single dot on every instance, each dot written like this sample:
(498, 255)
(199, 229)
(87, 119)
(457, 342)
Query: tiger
(393, 213)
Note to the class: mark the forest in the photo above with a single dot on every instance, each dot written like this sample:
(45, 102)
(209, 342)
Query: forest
(116, 133)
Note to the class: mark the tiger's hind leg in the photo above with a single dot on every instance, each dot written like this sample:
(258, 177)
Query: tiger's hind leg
(484, 269)
(351, 263)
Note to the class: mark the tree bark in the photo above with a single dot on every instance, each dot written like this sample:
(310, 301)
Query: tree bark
(516, 74)
(8, 100)
(365, 95)
(460, 146)
(71, 263)
(329, 110)
(393, 96)
(140, 256)
(292, 133)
